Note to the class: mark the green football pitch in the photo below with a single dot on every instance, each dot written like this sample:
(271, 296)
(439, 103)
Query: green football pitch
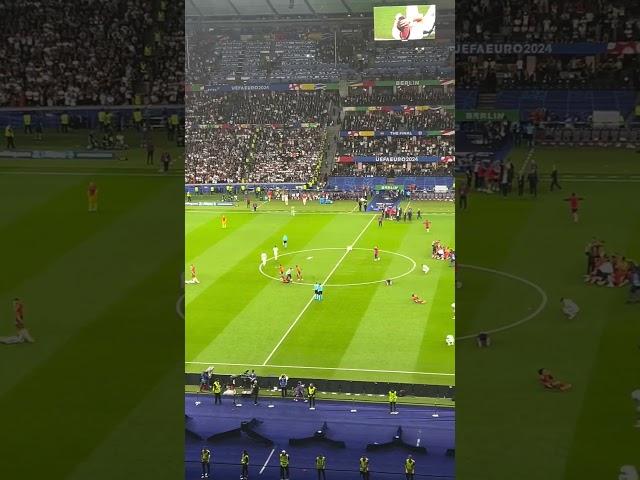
(99, 289)
(242, 316)
(518, 257)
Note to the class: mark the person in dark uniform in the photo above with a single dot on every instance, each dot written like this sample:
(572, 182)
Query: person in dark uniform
(255, 390)
(418, 215)
(464, 192)
(483, 340)
(312, 396)
(521, 185)
(244, 463)
(321, 466)
(166, 160)
(380, 219)
(205, 460)
(217, 392)
(554, 179)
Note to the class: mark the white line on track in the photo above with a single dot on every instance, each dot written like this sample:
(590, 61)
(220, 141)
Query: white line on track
(346, 252)
(265, 463)
(322, 368)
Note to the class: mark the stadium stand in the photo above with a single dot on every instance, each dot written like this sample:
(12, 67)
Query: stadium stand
(135, 56)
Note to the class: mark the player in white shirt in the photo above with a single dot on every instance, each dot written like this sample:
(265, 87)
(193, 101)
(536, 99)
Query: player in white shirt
(275, 252)
(569, 307)
(263, 259)
(450, 339)
(413, 25)
(628, 472)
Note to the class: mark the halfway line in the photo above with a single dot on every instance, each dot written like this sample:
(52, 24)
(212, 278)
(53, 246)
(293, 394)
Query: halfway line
(347, 250)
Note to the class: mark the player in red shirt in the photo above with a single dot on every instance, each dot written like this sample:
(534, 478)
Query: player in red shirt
(92, 197)
(416, 299)
(376, 253)
(298, 273)
(574, 203)
(194, 278)
(427, 225)
(22, 335)
(549, 381)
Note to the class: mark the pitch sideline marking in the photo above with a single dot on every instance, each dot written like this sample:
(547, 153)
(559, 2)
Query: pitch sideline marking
(536, 287)
(265, 463)
(322, 368)
(346, 252)
(341, 284)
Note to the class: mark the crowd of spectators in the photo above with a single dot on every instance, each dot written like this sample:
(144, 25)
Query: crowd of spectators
(309, 53)
(396, 169)
(287, 108)
(91, 52)
(561, 72)
(392, 146)
(433, 119)
(547, 21)
(407, 96)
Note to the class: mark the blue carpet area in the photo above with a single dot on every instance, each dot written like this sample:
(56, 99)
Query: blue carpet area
(287, 419)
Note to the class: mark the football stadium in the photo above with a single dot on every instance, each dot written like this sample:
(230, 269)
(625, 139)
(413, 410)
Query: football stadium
(320, 240)
(548, 137)
(67, 122)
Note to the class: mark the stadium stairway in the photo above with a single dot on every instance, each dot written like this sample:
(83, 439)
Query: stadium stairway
(332, 148)
(487, 101)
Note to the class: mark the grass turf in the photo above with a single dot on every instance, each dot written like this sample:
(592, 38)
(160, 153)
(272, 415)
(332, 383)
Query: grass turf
(100, 294)
(506, 422)
(238, 318)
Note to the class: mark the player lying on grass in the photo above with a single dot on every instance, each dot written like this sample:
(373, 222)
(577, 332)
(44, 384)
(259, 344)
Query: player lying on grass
(548, 381)
(22, 334)
(417, 299)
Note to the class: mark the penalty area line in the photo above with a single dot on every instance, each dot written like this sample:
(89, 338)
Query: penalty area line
(347, 250)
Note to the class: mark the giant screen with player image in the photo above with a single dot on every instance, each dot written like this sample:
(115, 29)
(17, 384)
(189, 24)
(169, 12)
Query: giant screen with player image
(405, 23)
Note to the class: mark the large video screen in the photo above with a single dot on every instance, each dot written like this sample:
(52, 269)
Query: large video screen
(404, 23)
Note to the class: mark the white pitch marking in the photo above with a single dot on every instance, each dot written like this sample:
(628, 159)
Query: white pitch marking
(286, 334)
(413, 267)
(322, 368)
(537, 288)
(265, 463)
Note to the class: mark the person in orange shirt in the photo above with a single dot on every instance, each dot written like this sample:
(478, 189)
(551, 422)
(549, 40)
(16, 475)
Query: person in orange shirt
(224, 221)
(22, 335)
(92, 196)
(281, 269)
(194, 278)
(298, 273)
(549, 381)
(416, 299)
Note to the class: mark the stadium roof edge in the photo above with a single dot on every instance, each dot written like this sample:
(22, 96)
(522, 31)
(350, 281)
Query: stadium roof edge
(195, 9)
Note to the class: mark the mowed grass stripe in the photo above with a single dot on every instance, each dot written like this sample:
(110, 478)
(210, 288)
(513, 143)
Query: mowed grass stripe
(206, 234)
(71, 290)
(213, 305)
(49, 400)
(269, 307)
(56, 227)
(325, 332)
(21, 197)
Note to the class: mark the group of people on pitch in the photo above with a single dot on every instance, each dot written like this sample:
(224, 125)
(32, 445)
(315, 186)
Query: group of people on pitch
(611, 270)
(441, 252)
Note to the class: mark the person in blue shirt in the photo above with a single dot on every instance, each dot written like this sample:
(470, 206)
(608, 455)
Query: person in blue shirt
(320, 291)
(285, 240)
(316, 291)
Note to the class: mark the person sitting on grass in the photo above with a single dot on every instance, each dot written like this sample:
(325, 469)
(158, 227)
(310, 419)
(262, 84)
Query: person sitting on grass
(416, 299)
(548, 381)
(569, 308)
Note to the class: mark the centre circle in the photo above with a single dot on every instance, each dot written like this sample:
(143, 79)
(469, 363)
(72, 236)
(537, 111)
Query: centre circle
(413, 266)
(537, 288)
